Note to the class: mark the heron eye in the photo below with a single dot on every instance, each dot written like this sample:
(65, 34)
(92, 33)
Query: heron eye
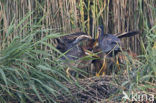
(99, 29)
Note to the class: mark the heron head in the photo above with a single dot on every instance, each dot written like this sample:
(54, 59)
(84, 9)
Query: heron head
(99, 31)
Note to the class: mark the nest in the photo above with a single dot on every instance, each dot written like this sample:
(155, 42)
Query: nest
(90, 90)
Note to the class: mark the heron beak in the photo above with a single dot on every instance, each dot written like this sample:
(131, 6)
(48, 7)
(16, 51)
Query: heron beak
(87, 52)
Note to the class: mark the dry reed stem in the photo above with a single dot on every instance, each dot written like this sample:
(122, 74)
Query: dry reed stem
(72, 15)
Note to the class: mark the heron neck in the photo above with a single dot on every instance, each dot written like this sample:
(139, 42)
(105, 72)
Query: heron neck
(101, 36)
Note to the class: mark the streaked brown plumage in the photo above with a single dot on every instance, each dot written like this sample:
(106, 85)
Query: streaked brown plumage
(75, 47)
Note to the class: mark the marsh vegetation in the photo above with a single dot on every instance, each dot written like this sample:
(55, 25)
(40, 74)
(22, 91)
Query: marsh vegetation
(30, 66)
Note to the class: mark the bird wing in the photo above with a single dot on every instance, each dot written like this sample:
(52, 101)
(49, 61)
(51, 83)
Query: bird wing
(65, 42)
(82, 38)
(127, 34)
(72, 37)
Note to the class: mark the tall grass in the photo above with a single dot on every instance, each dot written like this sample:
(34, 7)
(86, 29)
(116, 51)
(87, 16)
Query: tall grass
(27, 72)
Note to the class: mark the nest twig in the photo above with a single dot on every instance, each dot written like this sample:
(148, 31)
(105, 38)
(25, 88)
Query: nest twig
(90, 90)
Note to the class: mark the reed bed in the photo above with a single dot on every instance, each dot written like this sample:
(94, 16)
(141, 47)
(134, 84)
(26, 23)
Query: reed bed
(29, 68)
(73, 15)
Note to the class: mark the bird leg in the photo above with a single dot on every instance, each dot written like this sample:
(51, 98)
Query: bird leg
(103, 68)
(117, 62)
(67, 72)
(69, 75)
